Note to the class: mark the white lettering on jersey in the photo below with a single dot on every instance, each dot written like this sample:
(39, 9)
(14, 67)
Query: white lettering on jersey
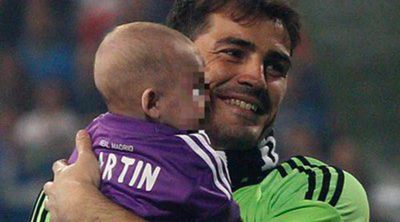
(138, 168)
(101, 162)
(123, 147)
(111, 162)
(145, 173)
(104, 143)
(127, 163)
(149, 176)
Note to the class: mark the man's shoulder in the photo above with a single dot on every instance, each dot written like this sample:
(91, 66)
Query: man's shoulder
(302, 179)
(319, 181)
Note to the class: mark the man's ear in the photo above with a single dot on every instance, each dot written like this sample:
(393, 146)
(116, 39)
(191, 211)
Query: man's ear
(151, 104)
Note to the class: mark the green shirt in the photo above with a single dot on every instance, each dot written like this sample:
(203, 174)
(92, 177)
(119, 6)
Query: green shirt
(304, 189)
(39, 213)
(301, 189)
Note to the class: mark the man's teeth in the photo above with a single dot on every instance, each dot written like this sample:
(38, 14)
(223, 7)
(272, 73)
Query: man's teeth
(243, 104)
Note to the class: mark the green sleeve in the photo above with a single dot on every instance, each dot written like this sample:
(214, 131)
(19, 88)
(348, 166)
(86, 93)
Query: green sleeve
(353, 203)
(304, 189)
(39, 214)
(256, 207)
(306, 211)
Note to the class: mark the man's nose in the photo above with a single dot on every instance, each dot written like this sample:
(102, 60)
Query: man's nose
(252, 74)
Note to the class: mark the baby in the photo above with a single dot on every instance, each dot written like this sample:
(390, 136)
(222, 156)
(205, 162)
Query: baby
(152, 80)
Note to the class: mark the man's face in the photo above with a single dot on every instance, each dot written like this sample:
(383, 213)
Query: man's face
(246, 67)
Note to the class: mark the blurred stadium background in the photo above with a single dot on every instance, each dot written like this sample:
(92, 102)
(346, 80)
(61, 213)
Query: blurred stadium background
(343, 103)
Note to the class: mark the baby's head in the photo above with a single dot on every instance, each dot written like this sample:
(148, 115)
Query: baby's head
(149, 71)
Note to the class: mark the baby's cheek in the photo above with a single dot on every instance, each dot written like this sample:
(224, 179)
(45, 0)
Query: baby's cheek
(189, 122)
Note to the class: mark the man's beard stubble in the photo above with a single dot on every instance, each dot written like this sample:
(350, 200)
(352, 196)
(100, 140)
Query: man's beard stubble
(226, 137)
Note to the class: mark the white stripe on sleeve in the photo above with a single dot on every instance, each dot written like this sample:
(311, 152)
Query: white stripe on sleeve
(217, 159)
(192, 144)
(222, 155)
(202, 132)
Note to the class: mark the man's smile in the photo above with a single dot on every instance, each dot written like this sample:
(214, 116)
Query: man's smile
(247, 107)
(242, 104)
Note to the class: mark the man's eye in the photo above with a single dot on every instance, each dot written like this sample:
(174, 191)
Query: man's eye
(234, 53)
(276, 70)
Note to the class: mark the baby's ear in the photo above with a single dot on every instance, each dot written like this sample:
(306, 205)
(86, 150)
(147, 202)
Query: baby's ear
(151, 104)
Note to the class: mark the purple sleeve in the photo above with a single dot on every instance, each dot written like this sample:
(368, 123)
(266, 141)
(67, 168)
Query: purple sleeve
(211, 199)
(209, 206)
(229, 212)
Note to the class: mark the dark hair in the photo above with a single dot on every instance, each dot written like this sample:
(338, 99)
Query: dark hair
(190, 16)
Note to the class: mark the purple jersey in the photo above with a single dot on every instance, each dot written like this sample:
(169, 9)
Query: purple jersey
(161, 173)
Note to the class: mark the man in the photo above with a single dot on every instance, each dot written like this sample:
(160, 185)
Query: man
(247, 47)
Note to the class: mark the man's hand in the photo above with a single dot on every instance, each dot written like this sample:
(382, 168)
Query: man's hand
(74, 194)
(73, 182)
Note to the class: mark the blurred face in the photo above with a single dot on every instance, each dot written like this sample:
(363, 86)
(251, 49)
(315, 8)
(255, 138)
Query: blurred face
(184, 103)
(246, 66)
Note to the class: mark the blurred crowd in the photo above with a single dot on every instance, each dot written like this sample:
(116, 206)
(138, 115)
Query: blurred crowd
(47, 93)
